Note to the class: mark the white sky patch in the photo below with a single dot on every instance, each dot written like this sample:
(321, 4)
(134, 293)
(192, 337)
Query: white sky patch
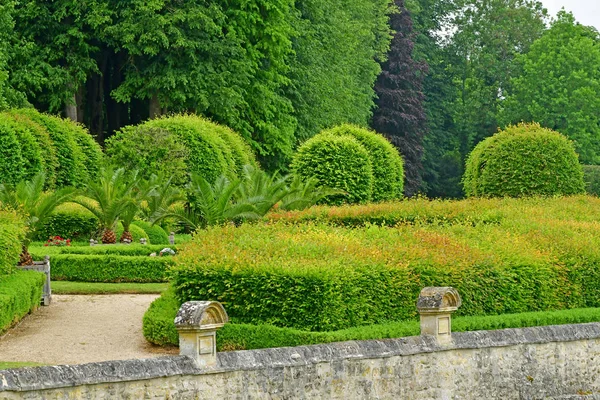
(587, 12)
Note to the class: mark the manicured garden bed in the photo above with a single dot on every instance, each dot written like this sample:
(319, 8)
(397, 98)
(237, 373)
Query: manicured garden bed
(308, 271)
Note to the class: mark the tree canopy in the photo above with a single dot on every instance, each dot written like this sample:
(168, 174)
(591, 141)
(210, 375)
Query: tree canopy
(559, 86)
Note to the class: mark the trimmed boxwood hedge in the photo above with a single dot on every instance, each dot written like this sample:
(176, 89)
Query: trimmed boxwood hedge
(20, 293)
(339, 162)
(540, 254)
(11, 161)
(523, 160)
(159, 328)
(38, 252)
(109, 268)
(178, 145)
(12, 234)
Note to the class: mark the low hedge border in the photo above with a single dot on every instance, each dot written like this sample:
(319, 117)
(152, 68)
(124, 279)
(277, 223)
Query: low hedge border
(159, 328)
(39, 252)
(109, 268)
(20, 293)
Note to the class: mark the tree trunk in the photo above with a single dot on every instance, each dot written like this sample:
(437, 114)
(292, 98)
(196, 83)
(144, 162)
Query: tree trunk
(154, 109)
(71, 108)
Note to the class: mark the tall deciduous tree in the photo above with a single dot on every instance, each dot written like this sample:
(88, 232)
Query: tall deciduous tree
(560, 85)
(399, 114)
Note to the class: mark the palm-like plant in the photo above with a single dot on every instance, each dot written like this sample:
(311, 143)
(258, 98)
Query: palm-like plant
(304, 194)
(161, 194)
(29, 199)
(260, 190)
(209, 204)
(108, 199)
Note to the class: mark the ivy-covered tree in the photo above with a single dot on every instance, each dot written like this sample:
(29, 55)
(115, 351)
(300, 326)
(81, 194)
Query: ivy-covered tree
(560, 85)
(399, 114)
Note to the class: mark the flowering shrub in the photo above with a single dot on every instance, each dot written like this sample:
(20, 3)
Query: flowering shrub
(57, 241)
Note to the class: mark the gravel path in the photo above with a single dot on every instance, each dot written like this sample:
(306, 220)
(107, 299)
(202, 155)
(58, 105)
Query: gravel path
(77, 329)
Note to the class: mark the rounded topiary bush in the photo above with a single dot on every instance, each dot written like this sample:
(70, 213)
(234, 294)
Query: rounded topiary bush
(47, 152)
(78, 155)
(156, 234)
(388, 167)
(339, 162)
(523, 160)
(178, 145)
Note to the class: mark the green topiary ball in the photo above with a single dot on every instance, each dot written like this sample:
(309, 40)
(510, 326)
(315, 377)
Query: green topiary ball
(523, 160)
(77, 154)
(388, 167)
(339, 162)
(178, 145)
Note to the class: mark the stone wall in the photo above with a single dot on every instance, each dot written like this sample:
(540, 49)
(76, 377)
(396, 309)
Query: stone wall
(559, 362)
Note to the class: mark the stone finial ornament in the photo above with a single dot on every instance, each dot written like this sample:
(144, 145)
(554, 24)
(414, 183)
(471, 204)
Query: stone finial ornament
(197, 323)
(172, 238)
(435, 305)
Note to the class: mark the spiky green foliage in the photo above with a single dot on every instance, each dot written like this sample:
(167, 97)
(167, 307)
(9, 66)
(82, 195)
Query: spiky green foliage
(29, 199)
(109, 197)
(305, 193)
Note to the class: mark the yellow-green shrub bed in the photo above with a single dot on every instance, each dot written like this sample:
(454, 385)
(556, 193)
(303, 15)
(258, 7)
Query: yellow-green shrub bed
(522, 255)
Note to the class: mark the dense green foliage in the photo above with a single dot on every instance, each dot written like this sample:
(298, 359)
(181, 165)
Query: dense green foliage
(69, 221)
(523, 160)
(179, 145)
(35, 142)
(537, 254)
(77, 153)
(12, 234)
(388, 171)
(20, 293)
(559, 86)
(591, 177)
(109, 268)
(156, 234)
(338, 162)
(273, 71)
(159, 327)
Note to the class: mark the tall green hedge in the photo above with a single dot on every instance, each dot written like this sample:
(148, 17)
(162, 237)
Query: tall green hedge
(68, 154)
(44, 144)
(12, 164)
(179, 145)
(339, 162)
(12, 233)
(523, 160)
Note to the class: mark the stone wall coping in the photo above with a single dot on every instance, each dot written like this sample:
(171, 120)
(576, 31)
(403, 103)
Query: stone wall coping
(39, 378)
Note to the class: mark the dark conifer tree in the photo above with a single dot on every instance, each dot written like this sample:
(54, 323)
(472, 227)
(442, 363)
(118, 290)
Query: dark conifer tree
(399, 113)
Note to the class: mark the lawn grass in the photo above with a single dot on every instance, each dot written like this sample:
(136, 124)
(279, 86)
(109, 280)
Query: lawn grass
(66, 287)
(17, 364)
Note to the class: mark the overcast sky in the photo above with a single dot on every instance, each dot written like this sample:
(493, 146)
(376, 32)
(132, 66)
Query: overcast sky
(586, 12)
